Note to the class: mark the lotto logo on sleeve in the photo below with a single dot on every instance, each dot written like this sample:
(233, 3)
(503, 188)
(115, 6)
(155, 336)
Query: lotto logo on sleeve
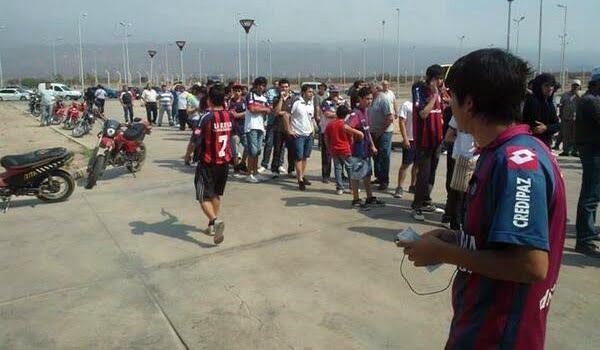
(520, 157)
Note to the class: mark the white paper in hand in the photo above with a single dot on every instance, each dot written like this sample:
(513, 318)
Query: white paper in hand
(409, 234)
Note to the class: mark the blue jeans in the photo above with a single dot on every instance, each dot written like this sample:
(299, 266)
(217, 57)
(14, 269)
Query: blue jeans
(339, 164)
(268, 150)
(254, 138)
(303, 147)
(382, 159)
(46, 114)
(589, 197)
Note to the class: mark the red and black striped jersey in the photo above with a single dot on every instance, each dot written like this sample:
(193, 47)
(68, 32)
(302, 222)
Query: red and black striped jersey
(212, 138)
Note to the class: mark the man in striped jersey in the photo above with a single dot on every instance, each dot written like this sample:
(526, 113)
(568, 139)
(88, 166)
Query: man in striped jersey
(166, 104)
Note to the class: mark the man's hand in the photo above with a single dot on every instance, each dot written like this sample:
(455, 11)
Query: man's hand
(405, 144)
(374, 150)
(292, 134)
(540, 128)
(425, 251)
(445, 235)
(187, 159)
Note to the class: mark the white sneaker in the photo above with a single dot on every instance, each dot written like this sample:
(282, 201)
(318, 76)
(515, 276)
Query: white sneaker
(274, 174)
(339, 192)
(210, 230)
(219, 229)
(239, 176)
(282, 170)
(261, 170)
(261, 177)
(417, 214)
(252, 179)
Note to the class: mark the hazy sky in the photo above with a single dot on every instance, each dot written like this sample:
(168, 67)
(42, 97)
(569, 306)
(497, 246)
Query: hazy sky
(431, 22)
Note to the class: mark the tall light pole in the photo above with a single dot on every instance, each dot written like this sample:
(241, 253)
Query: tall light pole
(564, 47)
(255, 51)
(340, 54)
(270, 47)
(180, 44)
(151, 53)
(2, 28)
(237, 18)
(461, 39)
(107, 77)
(383, 50)
(414, 49)
(82, 16)
(54, 41)
(247, 25)
(127, 72)
(508, 28)
(539, 67)
(364, 58)
(398, 53)
(200, 64)
(518, 22)
(120, 78)
(167, 63)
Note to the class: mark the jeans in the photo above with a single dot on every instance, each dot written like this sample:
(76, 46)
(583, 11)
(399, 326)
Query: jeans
(182, 115)
(303, 146)
(254, 139)
(128, 112)
(589, 197)
(325, 158)
(282, 140)
(427, 162)
(161, 112)
(382, 159)
(268, 147)
(46, 114)
(151, 112)
(339, 164)
(100, 104)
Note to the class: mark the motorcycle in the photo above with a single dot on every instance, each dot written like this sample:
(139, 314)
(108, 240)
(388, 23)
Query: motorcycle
(37, 174)
(118, 145)
(59, 113)
(34, 105)
(87, 120)
(73, 115)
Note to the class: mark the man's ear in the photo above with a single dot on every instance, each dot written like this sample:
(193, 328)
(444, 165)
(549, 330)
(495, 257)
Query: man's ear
(469, 106)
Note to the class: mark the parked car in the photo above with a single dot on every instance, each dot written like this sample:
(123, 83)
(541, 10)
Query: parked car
(110, 93)
(21, 88)
(313, 84)
(13, 95)
(62, 90)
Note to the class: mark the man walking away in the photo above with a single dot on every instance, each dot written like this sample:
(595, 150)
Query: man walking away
(211, 148)
(508, 255)
(126, 99)
(568, 109)
(165, 99)
(100, 96)
(46, 103)
(427, 116)
(588, 142)
(149, 97)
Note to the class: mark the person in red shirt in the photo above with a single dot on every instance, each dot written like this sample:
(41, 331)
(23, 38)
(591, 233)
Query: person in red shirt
(210, 143)
(338, 137)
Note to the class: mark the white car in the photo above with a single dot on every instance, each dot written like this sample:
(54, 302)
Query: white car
(13, 95)
(62, 91)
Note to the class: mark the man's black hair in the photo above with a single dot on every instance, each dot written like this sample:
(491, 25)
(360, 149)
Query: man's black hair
(305, 88)
(283, 81)
(357, 83)
(434, 71)
(342, 111)
(260, 81)
(544, 78)
(494, 79)
(323, 85)
(364, 92)
(216, 94)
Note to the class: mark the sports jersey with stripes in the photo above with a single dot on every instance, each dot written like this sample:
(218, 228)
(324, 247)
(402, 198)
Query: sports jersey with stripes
(212, 138)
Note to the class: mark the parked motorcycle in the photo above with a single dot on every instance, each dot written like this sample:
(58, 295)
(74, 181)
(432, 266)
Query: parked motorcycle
(87, 120)
(118, 145)
(37, 174)
(73, 115)
(34, 105)
(59, 113)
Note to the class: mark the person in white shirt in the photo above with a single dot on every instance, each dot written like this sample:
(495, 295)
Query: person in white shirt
(165, 99)
(149, 97)
(46, 102)
(182, 100)
(409, 152)
(301, 129)
(100, 96)
(256, 114)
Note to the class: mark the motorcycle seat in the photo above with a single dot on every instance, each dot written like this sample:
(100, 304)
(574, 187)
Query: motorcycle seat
(33, 158)
(135, 132)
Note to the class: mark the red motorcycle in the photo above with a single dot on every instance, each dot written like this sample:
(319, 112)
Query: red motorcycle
(59, 113)
(73, 114)
(37, 174)
(118, 145)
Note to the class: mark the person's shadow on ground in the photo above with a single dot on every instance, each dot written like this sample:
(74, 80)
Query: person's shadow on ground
(169, 228)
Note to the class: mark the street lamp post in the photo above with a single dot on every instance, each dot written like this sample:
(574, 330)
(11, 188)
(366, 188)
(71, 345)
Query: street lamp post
(120, 78)
(107, 77)
(151, 53)
(364, 59)
(508, 28)
(563, 47)
(461, 39)
(270, 46)
(398, 53)
(414, 49)
(382, 50)
(54, 41)
(2, 28)
(200, 64)
(247, 25)
(127, 72)
(237, 18)
(180, 44)
(255, 52)
(539, 67)
(139, 78)
(81, 17)
(518, 22)
(340, 54)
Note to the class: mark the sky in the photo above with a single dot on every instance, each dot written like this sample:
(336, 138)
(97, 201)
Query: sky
(424, 23)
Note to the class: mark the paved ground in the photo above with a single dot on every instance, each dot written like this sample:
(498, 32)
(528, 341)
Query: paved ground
(126, 265)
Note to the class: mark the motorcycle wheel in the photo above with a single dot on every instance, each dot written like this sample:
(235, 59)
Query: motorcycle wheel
(69, 124)
(137, 166)
(57, 187)
(96, 172)
(80, 129)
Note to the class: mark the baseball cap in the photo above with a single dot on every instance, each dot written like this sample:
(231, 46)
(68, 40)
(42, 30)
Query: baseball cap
(595, 74)
(333, 89)
(576, 82)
